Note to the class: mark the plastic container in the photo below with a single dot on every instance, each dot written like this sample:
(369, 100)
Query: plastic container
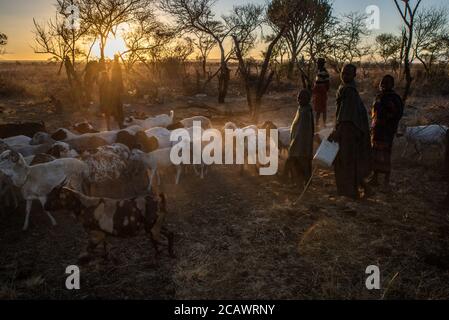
(327, 153)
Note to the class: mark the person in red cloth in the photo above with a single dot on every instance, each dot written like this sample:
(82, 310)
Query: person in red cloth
(320, 91)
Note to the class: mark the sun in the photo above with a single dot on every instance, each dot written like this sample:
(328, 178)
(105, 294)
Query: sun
(114, 44)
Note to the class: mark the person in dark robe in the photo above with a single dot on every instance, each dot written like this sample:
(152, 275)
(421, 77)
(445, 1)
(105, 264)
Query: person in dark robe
(104, 87)
(352, 132)
(320, 92)
(91, 74)
(117, 93)
(302, 132)
(387, 111)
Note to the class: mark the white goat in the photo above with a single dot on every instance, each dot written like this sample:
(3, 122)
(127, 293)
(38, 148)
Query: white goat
(36, 182)
(189, 122)
(17, 141)
(425, 136)
(162, 135)
(284, 138)
(41, 138)
(158, 121)
(62, 150)
(157, 161)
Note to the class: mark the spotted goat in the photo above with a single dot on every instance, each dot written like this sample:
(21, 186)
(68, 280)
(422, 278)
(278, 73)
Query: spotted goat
(102, 217)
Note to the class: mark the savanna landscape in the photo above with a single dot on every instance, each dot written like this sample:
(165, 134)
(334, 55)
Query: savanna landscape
(237, 235)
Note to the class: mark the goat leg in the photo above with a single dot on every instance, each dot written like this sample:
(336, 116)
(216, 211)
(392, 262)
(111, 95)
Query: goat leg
(156, 246)
(52, 219)
(170, 238)
(29, 203)
(178, 174)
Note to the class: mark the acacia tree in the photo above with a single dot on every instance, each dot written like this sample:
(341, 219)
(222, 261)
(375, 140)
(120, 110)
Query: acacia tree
(430, 34)
(197, 16)
(346, 40)
(244, 21)
(311, 16)
(3, 42)
(408, 13)
(388, 47)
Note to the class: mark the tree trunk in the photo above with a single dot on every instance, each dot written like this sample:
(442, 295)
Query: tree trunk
(205, 67)
(290, 69)
(407, 66)
(223, 84)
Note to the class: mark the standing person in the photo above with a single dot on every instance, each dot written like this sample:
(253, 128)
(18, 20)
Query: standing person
(387, 111)
(117, 92)
(320, 90)
(104, 86)
(302, 132)
(353, 163)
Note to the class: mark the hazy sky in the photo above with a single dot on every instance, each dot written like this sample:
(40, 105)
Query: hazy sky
(16, 19)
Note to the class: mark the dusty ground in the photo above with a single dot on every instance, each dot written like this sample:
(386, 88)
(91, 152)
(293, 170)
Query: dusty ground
(239, 237)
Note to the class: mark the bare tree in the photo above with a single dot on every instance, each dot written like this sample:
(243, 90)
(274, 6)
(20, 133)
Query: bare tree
(104, 16)
(146, 41)
(408, 13)
(197, 16)
(62, 43)
(3, 42)
(346, 41)
(430, 34)
(245, 20)
(204, 43)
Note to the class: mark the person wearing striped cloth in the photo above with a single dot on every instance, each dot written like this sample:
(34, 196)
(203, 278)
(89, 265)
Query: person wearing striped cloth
(320, 91)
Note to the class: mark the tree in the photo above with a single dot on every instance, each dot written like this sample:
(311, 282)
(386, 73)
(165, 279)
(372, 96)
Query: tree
(105, 16)
(244, 21)
(388, 47)
(346, 40)
(310, 18)
(3, 42)
(408, 14)
(197, 16)
(430, 34)
(204, 43)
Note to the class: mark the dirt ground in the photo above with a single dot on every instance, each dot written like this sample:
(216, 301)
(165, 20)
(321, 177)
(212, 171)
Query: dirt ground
(240, 237)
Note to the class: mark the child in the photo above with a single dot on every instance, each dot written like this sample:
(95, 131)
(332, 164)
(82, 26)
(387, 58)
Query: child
(302, 132)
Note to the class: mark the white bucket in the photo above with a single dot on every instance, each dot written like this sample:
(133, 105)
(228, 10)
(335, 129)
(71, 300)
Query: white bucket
(327, 153)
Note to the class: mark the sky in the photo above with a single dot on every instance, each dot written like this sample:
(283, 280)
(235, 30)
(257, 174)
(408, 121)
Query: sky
(16, 19)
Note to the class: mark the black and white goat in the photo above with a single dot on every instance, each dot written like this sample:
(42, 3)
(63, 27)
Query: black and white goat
(102, 217)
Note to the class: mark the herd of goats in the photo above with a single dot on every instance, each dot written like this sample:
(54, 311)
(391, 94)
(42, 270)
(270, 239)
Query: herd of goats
(79, 170)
